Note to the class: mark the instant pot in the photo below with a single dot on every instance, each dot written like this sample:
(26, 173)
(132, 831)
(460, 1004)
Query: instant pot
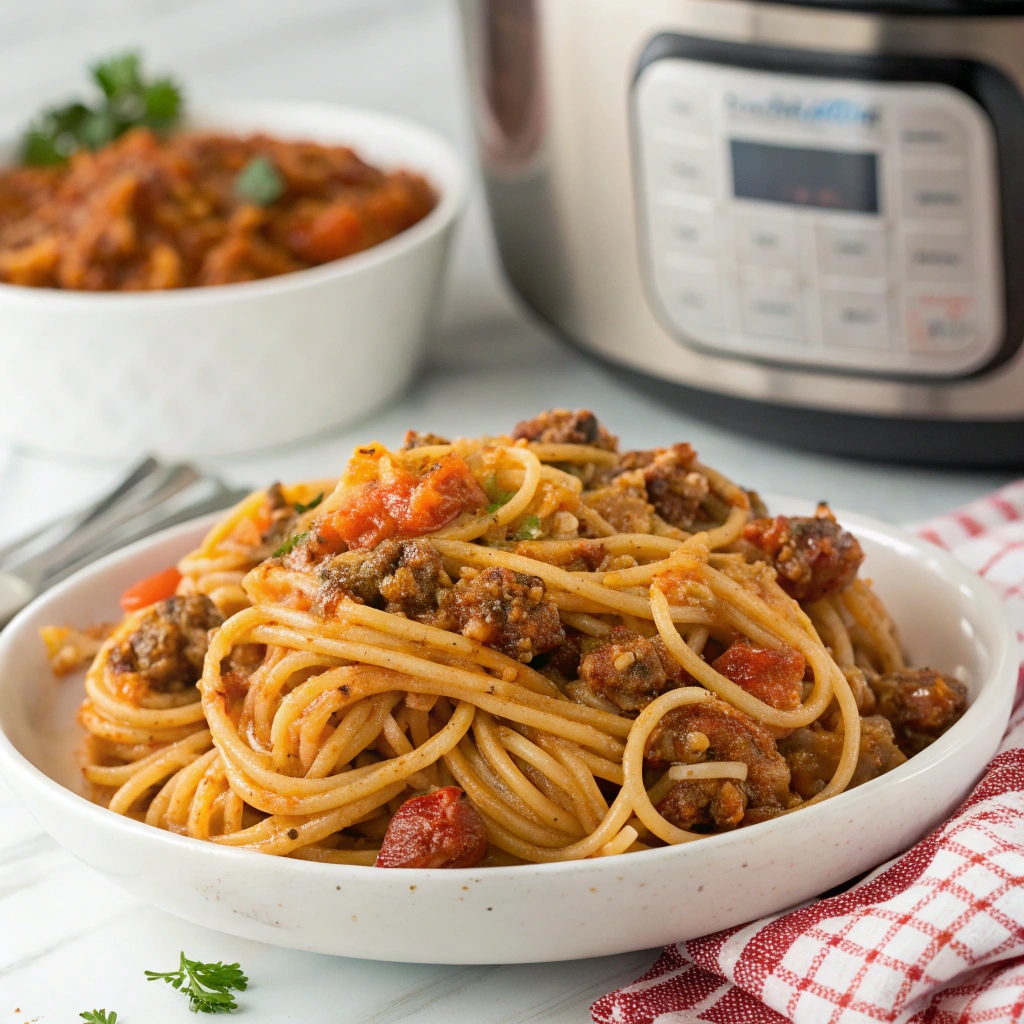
(804, 220)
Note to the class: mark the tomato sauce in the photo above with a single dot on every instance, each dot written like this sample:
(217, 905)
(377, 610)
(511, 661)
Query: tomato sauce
(146, 213)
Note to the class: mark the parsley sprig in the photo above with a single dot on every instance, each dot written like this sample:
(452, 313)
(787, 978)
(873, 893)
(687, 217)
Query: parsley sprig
(496, 494)
(208, 986)
(99, 1016)
(128, 99)
(259, 182)
(300, 508)
(290, 544)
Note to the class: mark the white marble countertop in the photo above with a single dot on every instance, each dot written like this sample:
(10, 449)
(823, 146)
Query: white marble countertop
(70, 941)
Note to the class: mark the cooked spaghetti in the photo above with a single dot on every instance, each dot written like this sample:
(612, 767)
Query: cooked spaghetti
(522, 648)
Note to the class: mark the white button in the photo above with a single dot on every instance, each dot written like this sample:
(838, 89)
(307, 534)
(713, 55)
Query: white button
(675, 106)
(767, 241)
(928, 131)
(686, 169)
(677, 229)
(771, 311)
(941, 323)
(692, 298)
(851, 252)
(935, 257)
(852, 320)
(933, 194)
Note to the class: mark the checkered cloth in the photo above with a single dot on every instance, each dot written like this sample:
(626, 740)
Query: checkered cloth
(934, 937)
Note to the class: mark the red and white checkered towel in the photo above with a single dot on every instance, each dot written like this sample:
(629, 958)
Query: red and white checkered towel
(934, 937)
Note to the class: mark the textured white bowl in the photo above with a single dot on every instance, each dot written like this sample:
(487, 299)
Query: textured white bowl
(202, 372)
(521, 914)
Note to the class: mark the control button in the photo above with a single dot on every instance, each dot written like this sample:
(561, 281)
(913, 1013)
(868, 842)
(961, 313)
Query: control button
(693, 298)
(676, 106)
(936, 257)
(771, 311)
(767, 241)
(928, 131)
(852, 320)
(685, 169)
(677, 229)
(931, 194)
(851, 252)
(941, 323)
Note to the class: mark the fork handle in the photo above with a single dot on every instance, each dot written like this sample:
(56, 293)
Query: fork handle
(58, 530)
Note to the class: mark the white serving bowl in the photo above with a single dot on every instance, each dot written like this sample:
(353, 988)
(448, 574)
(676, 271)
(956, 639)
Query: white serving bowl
(203, 372)
(948, 617)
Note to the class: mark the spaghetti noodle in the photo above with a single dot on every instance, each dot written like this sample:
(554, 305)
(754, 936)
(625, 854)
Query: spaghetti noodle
(523, 648)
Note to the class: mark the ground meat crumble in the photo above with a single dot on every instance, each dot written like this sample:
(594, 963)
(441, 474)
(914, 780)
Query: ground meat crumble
(506, 610)
(630, 670)
(921, 704)
(813, 556)
(169, 644)
(714, 731)
(402, 577)
(560, 426)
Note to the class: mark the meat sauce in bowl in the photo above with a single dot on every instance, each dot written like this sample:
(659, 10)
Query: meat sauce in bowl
(147, 213)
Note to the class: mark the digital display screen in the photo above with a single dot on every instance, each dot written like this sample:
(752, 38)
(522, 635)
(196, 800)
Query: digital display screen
(830, 178)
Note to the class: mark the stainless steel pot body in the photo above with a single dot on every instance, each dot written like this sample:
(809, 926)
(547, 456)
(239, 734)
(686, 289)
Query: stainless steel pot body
(554, 92)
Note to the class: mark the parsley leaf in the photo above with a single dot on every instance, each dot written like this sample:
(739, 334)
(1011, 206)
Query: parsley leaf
(300, 508)
(118, 75)
(259, 182)
(529, 530)
(496, 494)
(290, 544)
(208, 986)
(163, 103)
(55, 135)
(128, 100)
(99, 1016)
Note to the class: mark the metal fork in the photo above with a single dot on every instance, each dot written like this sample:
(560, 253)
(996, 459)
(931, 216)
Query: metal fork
(151, 497)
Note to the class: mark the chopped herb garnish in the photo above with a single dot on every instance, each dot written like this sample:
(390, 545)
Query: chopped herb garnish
(290, 544)
(128, 100)
(208, 986)
(530, 529)
(300, 508)
(99, 1016)
(496, 494)
(259, 182)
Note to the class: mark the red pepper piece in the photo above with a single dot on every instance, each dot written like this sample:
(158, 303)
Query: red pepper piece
(153, 588)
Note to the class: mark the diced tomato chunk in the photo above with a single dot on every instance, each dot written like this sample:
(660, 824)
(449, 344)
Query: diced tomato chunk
(775, 677)
(446, 490)
(439, 830)
(334, 232)
(404, 505)
(150, 590)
